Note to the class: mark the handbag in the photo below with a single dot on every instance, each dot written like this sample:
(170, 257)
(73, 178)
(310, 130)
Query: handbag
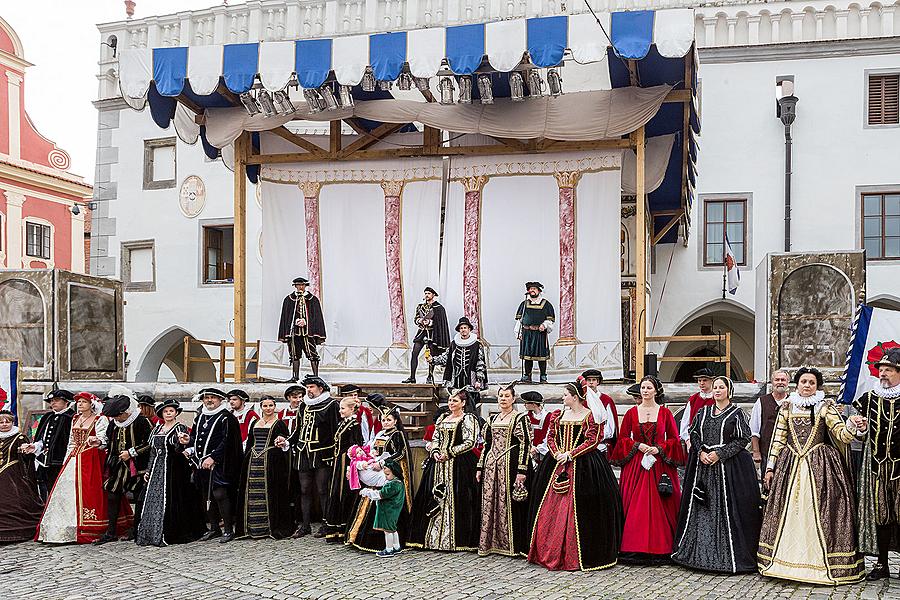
(665, 486)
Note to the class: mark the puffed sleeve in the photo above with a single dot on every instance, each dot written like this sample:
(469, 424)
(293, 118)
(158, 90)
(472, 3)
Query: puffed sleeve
(469, 426)
(667, 440)
(592, 435)
(626, 447)
(522, 432)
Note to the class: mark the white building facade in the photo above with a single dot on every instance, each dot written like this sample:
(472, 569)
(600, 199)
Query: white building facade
(164, 211)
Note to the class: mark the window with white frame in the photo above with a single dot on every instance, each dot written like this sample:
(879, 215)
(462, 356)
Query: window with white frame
(38, 240)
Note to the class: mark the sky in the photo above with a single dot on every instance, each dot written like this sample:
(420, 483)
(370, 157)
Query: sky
(61, 40)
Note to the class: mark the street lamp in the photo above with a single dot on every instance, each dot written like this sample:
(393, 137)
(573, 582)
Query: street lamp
(786, 111)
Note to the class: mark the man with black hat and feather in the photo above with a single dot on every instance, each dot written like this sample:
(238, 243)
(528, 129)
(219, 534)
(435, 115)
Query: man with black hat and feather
(433, 334)
(878, 423)
(464, 362)
(302, 327)
(214, 448)
(127, 455)
(534, 321)
(51, 440)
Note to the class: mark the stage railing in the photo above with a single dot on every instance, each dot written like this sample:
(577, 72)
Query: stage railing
(221, 361)
(724, 357)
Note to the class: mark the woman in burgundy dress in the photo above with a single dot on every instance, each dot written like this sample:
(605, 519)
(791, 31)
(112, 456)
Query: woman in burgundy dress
(576, 474)
(648, 450)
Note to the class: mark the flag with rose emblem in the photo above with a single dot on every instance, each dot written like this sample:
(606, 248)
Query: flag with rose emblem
(9, 386)
(876, 330)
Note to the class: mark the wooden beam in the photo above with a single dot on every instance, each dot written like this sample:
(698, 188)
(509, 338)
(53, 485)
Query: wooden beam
(678, 96)
(334, 137)
(640, 309)
(356, 126)
(514, 143)
(428, 95)
(431, 138)
(662, 232)
(633, 76)
(412, 151)
(370, 139)
(241, 153)
(300, 141)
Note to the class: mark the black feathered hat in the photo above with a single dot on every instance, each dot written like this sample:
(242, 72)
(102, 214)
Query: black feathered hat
(61, 394)
(891, 358)
(168, 403)
(115, 406)
(316, 380)
(534, 284)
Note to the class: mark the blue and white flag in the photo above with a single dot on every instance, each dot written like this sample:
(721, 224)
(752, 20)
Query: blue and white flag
(9, 387)
(876, 331)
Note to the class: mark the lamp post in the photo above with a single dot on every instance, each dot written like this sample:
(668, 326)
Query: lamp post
(786, 111)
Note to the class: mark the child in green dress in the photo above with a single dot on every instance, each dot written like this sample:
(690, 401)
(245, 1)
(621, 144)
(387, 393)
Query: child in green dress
(389, 502)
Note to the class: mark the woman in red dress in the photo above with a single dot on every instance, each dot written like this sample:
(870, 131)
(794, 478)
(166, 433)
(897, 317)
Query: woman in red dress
(76, 507)
(649, 450)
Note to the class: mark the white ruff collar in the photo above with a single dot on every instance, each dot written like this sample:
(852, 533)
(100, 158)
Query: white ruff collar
(240, 414)
(12, 432)
(133, 413)
(537, 300)
(324, 397)
(887, 392)
(706, 395)
(465, 343)
(209, 412)
(800, 402)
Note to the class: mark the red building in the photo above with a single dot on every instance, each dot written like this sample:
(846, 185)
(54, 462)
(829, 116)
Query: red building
(39, 197)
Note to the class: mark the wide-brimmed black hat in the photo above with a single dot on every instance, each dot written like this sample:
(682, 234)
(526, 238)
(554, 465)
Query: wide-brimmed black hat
(704, 373)
(891, 358)
(294, 389)
(532, 397)
(61, 394)
(464, 321)
(593, 373)
(114, 406)
(820, 380)
(316, 380)
(211, 391)
(534, 284)
(301, 281)
(167, 403)
(432, 290)
(349, 388)
(146, 399)
(240, 394)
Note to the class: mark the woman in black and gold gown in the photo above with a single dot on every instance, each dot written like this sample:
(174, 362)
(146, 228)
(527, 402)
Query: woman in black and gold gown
(340, 497)
(264, 502)
(389, 444)
(719, 519)
(20, 502)
(172, 510)
(576, 506)
(447, 508)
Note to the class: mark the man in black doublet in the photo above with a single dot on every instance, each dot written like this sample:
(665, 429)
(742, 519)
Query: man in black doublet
(433, 333)
(214, 448)
(302, 327)
(52, 440)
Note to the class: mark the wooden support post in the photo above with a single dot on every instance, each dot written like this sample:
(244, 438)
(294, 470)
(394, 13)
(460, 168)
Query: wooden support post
(640, 226)
(241, 152)
(335, 137)
(728, 354)
(187, 358)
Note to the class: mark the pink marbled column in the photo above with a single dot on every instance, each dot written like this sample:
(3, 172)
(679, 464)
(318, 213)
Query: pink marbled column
(393, 259)
(313, 249)
(471, 250)
(567, 182)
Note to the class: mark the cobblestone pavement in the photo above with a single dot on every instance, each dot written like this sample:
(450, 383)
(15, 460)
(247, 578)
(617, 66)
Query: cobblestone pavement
(310, 568)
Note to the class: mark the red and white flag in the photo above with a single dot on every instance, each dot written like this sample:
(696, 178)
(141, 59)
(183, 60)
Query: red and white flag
(731, 269)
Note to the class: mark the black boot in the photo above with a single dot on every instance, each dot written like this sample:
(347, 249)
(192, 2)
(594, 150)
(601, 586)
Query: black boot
(430, 380)
(879, 571)
(315, 367)
(211, 534)
(295, 371)
(302, 530)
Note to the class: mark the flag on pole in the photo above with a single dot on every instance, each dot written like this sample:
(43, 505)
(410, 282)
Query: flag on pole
(9, 387)
(731, 268)
(876, 330)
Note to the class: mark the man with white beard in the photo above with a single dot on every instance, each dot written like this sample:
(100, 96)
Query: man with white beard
(878, 423)
(764, 415)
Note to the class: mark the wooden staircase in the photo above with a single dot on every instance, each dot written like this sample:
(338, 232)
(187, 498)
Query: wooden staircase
(417, 403)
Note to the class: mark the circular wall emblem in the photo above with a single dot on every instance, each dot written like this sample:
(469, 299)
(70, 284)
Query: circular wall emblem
(192, 196)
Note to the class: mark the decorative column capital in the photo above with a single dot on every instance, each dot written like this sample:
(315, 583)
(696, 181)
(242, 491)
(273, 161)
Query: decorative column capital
(14, 198)
(392, 188)
(474, 183)
(567, 179)
(310, 189)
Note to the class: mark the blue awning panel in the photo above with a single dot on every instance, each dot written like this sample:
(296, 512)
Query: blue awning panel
(240, 63)
(465, 48)
(632, 33)
(387, 53)
(162, 108)
(548, 40)
(169, 70)
(313, 62)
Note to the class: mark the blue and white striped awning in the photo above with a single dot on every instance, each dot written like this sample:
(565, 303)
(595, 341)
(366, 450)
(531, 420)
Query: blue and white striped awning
(462, 49)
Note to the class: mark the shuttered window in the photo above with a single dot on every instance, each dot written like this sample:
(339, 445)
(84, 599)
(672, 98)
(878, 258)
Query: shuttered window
(884, 99)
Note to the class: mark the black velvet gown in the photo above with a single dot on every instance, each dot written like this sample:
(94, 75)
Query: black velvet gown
(340, 497)
(575, 506)
(264, 503)
(20, 503)
(447, 508)
(173, 509)
(361, 532)
(719, 519)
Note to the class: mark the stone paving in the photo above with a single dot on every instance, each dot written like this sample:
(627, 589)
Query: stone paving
(310, 568)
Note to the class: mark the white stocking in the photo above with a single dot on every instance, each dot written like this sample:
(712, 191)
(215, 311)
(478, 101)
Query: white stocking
(396, 540)
(388, 540)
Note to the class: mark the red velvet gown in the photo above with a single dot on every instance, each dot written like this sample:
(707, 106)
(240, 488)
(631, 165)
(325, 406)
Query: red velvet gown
(650, 519)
